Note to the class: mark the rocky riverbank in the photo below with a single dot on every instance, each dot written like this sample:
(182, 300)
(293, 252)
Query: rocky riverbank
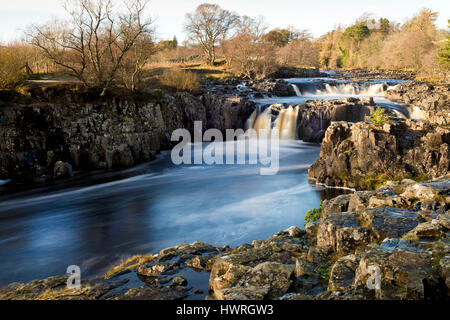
(364, 74)
(49, 139)
(400, 230)
(425, 101)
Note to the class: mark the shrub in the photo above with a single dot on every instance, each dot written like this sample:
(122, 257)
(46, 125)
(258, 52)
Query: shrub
(379, 117)
(313, 215)
(374, 182)
(11, 69)
(182, 80)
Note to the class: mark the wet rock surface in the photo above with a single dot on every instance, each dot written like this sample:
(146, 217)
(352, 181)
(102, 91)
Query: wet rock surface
(278, 88)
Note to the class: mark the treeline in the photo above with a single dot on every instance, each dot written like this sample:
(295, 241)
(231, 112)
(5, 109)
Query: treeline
(103, 46)
(380, 44)
(251, 50)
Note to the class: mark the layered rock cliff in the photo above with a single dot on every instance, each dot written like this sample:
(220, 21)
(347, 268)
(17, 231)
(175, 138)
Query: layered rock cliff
(103, 134)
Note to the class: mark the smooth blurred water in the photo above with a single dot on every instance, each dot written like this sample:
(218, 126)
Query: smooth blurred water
(149, 208)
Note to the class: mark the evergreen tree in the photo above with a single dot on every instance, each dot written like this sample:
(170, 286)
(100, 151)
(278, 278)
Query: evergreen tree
(444, 55)
(174, 42)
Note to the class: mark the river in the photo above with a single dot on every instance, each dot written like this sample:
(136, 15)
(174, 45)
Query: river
(95, 220)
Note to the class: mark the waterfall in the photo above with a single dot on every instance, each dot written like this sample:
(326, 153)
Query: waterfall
(375, 89)
(286, 123)
(264, 122)
(353, 89)
(251, 121)
(297, 91)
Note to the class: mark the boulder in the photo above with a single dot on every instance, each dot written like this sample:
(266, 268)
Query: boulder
(360, 200)
(426, 230)
(265, 280)
(294, 231)
(402, 274)
(152, 270)
(343, 273)
(276, 276)
(420, 191)
(342, 231)
(338, 204)
(302, 267)
(62, 170)
(389, 222)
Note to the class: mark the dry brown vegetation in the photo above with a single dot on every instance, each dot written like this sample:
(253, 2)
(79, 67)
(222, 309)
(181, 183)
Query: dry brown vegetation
(11, 68)
(103, 47)
(247, 53)
(207, 26)
(129, 264)
(182, 80)
(381, 44)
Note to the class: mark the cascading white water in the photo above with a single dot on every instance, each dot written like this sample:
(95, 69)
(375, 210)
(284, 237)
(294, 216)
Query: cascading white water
(297, 90)
(286, 123)
(353, 89)
(374, 89)
(263, 124)
(251, 121)
(340, 89)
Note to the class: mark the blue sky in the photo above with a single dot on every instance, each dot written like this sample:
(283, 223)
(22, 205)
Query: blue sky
(319, 16)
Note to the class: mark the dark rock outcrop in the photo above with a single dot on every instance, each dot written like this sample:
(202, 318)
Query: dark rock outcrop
(362, 155)
(314, 117)
(108, 134)
(279, 88)
(364, 74)
(287, 72)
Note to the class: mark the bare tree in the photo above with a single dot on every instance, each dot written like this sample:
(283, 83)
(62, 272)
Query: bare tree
(247, 52)
(93, 44)
(208, 25)
(132, 67)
